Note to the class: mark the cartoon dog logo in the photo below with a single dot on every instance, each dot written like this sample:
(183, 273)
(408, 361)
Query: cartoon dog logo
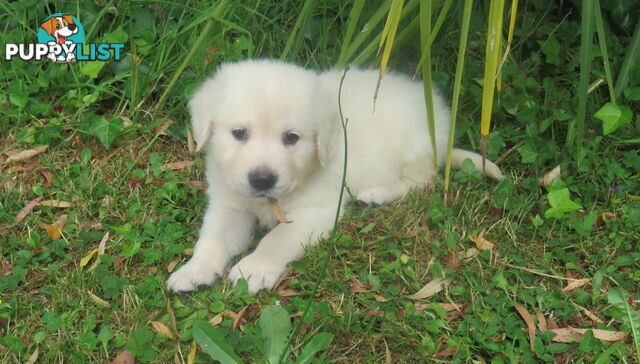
(60, 27)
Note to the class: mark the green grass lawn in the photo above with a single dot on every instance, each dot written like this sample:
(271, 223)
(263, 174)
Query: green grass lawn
(562, 256)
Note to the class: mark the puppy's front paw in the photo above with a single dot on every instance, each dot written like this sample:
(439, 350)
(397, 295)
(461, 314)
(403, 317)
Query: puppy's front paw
(193, 275)
(258, 271)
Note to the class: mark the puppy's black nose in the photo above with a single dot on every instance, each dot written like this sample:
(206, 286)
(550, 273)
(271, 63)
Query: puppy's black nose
(72, 27)
(262, 179)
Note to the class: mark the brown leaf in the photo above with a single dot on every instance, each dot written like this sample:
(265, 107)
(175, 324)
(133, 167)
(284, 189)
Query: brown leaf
(569, 335)
(191, 358)
(277, 210)
(358, 287)
(55, 203)
(216, 320)
(174, 166)
(188, 251)
(99, 301)
(191, 146)
(162, 128)
(287, 293)
(5, 268)
(162, 329)
(236, 320)
(551, 176)
(482, 243)
(172, 265)
(551, 323)
(603, 217)
(27, 209)
(55, 230)
(592, 316)
(575, 283)
(196, 184)
(471, 253)
(542, 322)
(431, 288)
(531, 326)
(172, 316)
(374, 313)
(18, 156)
(379, 298)
(124, 357)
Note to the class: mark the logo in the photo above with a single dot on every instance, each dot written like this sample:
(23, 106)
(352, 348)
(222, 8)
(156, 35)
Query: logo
(61, 40)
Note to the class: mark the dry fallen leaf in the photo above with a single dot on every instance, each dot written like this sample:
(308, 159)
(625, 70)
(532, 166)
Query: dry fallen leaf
(551, 176)
(431, 288)
(277, 210)
(287, 293)
(124, 357)
(379, 298)
(191, 358)
(55, 203)
(358, 287)
(592, 316)
(216, 320)
(33, 358)
(387, 353)
(551, 323)
(482, 243)
(172, 265)
(100, 251)
(27, 209)
(191, 146)
(542, 322)
(172, 316)
(174, 166)
(99, 301)
(162, 329)
(162, 128)
(87, 258)
(18, 156)
(603, 217)
(531, 326)
(471, 253)
(5, 268)
(188, 251)
(196, 184)
(236, 320)
(55, 230)
(575, 283)
(569, 335)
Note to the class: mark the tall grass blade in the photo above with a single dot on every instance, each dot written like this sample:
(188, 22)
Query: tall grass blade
(408, 31)
(297, 33)
(375, 19)
(620, 300)
(436, 28)
(494, 37)
(352, 24)
(425, 36)
(217, 12)
(577, 132)
(603, 49)
(133, 80)
(387, 38)
(630, 59)
(462, 48)
(512, 25)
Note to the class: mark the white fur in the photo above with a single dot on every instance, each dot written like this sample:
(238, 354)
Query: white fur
(389, 153)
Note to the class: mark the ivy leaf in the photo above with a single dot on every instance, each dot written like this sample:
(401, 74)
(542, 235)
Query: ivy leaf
(107, 131)
(275, 326)
(561, 203)
(613, 117)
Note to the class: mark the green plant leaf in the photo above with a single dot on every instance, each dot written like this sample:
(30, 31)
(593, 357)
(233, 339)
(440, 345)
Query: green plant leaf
(561, 203)
(105, 130)
(92, 68)
(319, 342)
(213, 343)
(275, 326)
(620, 300)
(632, 93)
(613, 117)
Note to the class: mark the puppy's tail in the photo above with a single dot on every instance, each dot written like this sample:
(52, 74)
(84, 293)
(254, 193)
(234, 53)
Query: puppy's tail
(491, 169)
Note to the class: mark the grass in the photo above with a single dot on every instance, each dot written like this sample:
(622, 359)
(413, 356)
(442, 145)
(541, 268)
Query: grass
(381, 255)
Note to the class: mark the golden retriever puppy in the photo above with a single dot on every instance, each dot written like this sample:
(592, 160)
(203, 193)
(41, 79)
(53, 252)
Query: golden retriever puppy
(273, 130)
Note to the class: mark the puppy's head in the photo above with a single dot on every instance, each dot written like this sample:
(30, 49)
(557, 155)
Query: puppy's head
(62, 25)
(269, 125)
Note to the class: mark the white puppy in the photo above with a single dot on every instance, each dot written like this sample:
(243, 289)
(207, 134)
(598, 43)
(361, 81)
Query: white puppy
(273, 130)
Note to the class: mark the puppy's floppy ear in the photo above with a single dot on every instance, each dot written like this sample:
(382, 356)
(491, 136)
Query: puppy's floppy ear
(68, 18)
(49, 26)
(202, 107)
(328, 137)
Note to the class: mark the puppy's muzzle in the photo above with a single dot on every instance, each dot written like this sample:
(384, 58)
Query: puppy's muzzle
(72, 27)
(262, 179)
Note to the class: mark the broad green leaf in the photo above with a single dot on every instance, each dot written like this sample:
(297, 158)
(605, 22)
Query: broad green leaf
(620, 300)
(105, 130)
(613, 117)
(92, 68)
(275, 326)
(561, 203)
(117, 36)
(551, 50)
(317, 343)
(213, 343)
(632, 93)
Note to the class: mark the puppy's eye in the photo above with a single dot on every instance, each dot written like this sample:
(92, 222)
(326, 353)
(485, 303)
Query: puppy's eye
(290, 138)
(240, 133)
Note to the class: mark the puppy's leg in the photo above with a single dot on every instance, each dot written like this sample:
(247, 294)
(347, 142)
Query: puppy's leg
(225, 232)
(286, 242)
(382, 194)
